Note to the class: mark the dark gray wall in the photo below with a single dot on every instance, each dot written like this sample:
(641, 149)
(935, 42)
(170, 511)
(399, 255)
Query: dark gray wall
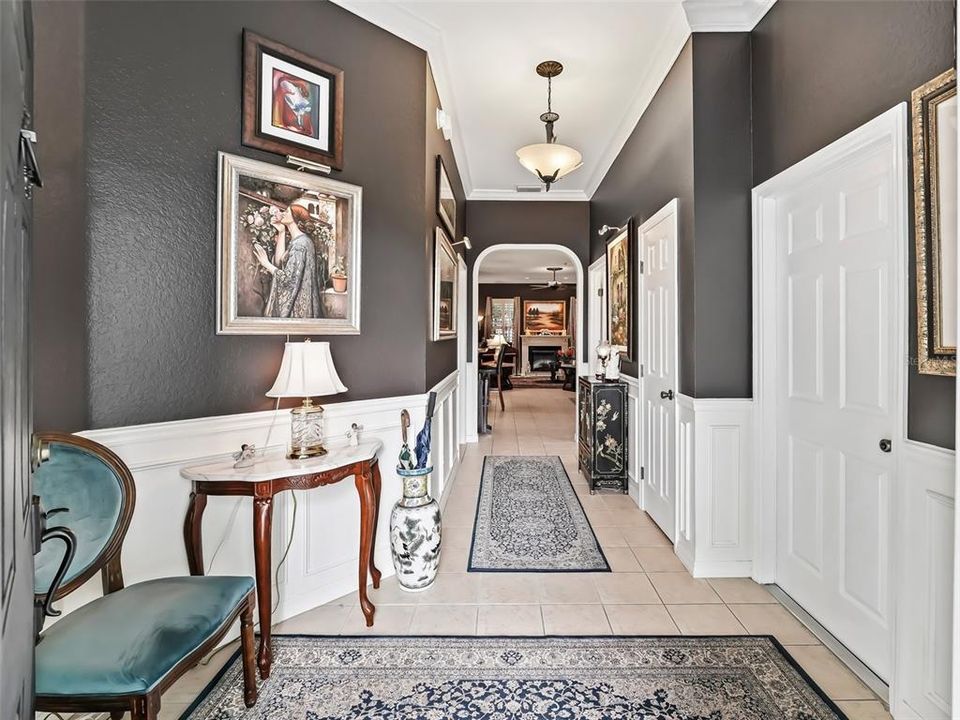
(821, 70)
(441, 355)
(162, 96)
(723, 276)
(539, 221)
(655, 166)
(60, 246)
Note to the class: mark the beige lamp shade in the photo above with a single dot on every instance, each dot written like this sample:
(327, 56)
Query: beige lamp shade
(306, 371)
(548, 158)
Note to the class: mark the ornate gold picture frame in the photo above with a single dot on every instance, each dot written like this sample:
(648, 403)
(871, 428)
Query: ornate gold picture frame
(934, 117)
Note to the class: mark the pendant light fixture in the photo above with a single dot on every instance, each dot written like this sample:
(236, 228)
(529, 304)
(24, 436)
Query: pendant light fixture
(549, 161)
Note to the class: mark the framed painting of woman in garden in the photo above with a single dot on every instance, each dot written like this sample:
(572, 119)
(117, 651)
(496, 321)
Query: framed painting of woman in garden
(288, 251)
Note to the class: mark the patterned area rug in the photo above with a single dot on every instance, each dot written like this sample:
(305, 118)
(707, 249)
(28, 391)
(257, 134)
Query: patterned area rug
(553, 678)
(529, 519)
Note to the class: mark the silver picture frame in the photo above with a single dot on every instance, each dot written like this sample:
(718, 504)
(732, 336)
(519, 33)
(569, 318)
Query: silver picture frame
(234, 267)
(445, 290)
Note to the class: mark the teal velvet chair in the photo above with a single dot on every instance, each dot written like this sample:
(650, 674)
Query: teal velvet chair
(120, 652)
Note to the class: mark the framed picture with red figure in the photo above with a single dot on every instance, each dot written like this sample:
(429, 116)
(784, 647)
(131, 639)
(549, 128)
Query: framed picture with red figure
(292, 103)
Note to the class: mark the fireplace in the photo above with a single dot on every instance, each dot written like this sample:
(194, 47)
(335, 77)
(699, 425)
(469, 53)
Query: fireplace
(540, 357)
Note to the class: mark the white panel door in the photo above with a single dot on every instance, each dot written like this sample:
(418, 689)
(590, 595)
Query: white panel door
(837, 245)
(657, 241)
(596, 309)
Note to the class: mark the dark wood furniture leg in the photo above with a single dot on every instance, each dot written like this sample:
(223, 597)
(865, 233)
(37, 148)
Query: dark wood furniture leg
(500, 390)
(375, 481)
(262, 530)
(248, 652)
(146, 707)
(192, 532)
(365, 490)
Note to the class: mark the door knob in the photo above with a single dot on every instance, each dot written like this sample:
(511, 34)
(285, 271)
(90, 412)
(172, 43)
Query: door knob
(666, 394)
(886, 445)
(39, 452)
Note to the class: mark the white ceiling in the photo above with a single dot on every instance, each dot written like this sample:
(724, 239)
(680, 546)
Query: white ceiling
(483, 54)
(525, 266)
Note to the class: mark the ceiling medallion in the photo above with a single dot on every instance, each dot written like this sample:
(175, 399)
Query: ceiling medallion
(549, 161)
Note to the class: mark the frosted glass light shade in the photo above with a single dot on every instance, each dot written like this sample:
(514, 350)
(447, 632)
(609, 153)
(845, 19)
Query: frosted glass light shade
(306, 371)
(548, 158)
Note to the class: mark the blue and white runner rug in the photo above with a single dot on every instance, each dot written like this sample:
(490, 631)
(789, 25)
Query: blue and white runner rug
(529, 519)
(496, 678)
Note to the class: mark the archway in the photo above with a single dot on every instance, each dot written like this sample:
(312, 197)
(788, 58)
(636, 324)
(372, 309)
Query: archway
(469, 382)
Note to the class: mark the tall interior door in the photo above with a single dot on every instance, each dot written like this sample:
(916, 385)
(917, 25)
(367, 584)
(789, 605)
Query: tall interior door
(840, 244)
(657, 243)
(16, 539)
(596, 307)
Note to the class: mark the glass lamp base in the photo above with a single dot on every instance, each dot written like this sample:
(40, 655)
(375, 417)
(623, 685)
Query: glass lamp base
(306, 431)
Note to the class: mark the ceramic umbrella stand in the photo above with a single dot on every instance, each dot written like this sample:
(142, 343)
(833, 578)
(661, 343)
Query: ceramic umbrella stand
(415, 532)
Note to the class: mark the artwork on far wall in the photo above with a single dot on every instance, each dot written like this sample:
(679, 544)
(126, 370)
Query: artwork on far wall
(288, 251)
(935, 222)
(292, 103)
(446, 202)
(542, 317)
(445, 278)
(618, 291)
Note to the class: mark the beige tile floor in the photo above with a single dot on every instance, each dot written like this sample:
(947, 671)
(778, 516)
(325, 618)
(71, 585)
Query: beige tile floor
(649, 591)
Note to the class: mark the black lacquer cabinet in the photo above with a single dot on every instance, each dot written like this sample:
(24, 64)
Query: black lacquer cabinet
(603, 434)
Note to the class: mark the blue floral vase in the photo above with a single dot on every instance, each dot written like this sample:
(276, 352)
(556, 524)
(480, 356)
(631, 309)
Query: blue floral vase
(415, 532)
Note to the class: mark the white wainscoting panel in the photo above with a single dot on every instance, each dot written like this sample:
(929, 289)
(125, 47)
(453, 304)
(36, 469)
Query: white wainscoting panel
(715, 486)
(633, 436)
(686, 466)
(921, 687)
(323, 537)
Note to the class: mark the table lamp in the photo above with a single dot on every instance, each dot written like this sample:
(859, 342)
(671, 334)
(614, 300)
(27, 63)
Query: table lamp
(496, 341)
(306, 371)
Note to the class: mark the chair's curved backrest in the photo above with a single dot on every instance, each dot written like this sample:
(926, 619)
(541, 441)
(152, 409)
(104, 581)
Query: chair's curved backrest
(96, 488)
(501, 353)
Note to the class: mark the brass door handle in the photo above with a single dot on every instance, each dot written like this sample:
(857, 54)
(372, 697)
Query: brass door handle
(666, 394)
(39, 452)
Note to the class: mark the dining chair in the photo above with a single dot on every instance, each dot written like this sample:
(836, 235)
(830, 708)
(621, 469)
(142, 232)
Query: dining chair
(501, 354)
(122, 651)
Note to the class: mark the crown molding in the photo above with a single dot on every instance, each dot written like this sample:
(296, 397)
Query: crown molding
(428, 37)
(674, 37)
(554, 195)
(725, 15)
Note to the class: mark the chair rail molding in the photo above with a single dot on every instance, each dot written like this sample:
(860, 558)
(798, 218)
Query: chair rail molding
(715, 470)
(321, 526)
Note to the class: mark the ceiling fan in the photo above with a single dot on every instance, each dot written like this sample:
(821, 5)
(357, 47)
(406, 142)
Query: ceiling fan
(551, 284)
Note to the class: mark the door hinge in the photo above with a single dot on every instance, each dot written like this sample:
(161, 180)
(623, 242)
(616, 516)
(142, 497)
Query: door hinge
(641, 370)
(641, 267)
(641, 473)
(599, 292)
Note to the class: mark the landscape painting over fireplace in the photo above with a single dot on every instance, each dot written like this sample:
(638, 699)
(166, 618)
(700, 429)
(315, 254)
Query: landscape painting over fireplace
(544, 316)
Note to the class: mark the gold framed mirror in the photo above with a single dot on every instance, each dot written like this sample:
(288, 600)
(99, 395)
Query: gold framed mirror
(934, 118)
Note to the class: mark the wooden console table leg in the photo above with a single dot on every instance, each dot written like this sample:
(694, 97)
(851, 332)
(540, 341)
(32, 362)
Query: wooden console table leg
(192, 535)
(262, 530)
(375, 479)
(365, 491)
